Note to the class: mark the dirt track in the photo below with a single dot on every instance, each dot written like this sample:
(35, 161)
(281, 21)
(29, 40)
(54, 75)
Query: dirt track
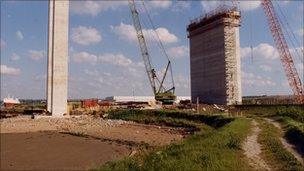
(252, 149)
(45, 143)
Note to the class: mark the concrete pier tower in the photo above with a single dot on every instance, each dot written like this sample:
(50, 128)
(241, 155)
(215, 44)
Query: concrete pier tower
(215, 57)
(57, 72)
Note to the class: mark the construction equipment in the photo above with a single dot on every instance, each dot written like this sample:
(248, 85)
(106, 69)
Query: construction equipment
(166, 96)
(285, 55)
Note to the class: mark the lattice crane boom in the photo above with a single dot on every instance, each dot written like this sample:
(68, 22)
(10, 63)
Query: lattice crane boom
(160, 92)
(142, 44)
(282, 46)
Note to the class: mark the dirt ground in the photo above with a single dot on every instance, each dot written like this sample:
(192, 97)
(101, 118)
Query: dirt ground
(56, 151)
(74, 143)
(252, 149)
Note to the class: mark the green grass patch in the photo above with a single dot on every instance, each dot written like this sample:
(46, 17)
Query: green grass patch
(210, 149)
(273, 151)
(293, 111)
(297, 114)
(169, 118)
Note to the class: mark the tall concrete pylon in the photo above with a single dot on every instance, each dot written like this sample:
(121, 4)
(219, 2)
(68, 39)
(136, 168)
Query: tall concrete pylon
(57, 72)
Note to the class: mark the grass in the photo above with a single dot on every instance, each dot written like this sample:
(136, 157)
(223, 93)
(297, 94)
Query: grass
(169, 118)
(294, 111)
(216, 146)
(273, 151)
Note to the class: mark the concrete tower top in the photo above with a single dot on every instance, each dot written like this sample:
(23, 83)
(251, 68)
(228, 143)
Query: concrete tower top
(222, 14)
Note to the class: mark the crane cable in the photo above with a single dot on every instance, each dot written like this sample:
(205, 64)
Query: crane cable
(285, 19)
(154, 29)
(288, 34)
(238, 6)
(152, 36)
(160, 44)
(251, 39)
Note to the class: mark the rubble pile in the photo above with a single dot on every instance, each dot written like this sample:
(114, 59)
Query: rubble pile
(81, 124)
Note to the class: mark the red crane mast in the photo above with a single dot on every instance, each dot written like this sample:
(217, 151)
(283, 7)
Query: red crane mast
(285, 55)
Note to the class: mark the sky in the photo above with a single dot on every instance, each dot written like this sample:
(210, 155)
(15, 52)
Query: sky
(104, 56)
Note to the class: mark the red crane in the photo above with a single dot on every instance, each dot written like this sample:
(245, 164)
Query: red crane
(285, 55)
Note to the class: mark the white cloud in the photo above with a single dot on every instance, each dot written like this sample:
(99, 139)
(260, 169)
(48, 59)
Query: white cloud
(115, 59)
(165, 35)
(297, 52)
(5, 70)
(84, 57)
(164, 4)
(36, 54)
(264, 73)
(2, 44)
(266, 68)
(210, 5)
(285, 84)
(182, 82)
(19, 35)
(284, 2)
(181, 6)
(85, 35)
(244, 5)
(91, 73)
(39, 78)
(263, 50)
(267, 51)
(300, 68)
(300, 32)
(249, 5)
(93, 8)
(15, 57)
(107, 58)
(178, 52)
(251, 79)
(127, 32)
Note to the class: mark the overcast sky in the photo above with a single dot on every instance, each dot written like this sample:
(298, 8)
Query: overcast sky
(104, 57)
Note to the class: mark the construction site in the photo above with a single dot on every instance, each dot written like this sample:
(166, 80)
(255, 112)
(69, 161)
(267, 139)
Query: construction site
(216, 127)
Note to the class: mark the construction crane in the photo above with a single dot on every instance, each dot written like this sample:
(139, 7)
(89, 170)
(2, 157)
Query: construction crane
(166, 96)
(285, 55)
